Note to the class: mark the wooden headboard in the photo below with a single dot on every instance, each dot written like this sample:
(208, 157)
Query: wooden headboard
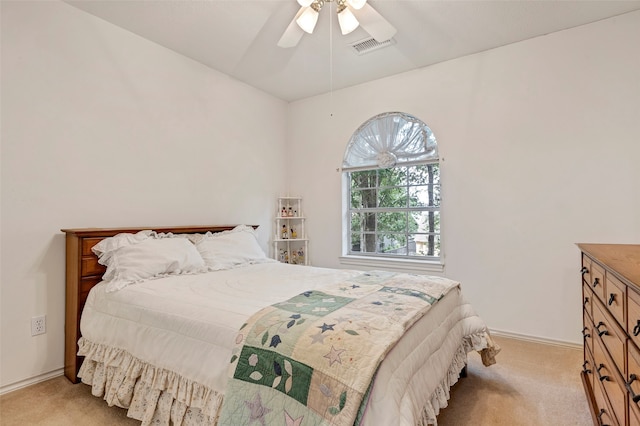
(83, 272)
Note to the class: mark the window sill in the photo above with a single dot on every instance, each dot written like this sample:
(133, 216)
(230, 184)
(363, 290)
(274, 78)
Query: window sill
(401, 265)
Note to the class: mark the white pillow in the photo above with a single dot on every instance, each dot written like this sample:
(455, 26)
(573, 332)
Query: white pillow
(228, 249)
(150, 258)
(194, 238)
(121, 240)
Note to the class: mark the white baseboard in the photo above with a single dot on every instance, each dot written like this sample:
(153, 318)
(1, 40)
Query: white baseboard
(31, 381)
(536, 339)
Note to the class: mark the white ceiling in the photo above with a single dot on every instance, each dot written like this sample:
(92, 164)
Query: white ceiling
(238, 37)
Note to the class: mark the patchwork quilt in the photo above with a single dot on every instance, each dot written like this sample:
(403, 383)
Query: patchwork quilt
(310, 360)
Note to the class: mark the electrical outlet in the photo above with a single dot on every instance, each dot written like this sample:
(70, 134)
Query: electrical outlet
(38, 325)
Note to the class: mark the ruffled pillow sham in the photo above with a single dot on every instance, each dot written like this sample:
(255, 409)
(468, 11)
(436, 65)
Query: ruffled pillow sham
(230, 249)
(132, 258)
(121, 240)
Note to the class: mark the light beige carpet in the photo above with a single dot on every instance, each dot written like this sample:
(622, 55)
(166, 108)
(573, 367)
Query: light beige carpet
(532, 384)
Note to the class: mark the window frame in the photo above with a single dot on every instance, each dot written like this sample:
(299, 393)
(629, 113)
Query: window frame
(385, 145)
(407, 259)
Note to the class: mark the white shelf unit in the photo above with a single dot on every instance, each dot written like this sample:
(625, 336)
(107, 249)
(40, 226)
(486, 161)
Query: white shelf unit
(290, 243)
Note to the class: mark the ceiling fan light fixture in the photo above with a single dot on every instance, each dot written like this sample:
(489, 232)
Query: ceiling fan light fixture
(351, 15)
(356, 4)
(347, 21)
(308, 20)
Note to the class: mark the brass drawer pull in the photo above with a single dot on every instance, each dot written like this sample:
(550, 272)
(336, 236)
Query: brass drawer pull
(636, 329)
(600, 417)
(601, 377)
(601, 332)
(584, 270)
(612, 298)
(596, 281)
(634, 397)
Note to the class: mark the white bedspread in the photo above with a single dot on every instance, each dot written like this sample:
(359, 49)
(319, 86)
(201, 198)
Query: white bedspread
(188, 324)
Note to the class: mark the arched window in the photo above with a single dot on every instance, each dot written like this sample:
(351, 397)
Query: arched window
(391, 172)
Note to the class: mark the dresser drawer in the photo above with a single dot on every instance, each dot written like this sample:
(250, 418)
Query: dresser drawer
(633, 370)
(609, 377)
(587, 331)
(586, 269)
(587, 299)
(610, 334)
(90, 266)
(88, 243)
(633, 321)
(634, 416)
(617, 395)
(87, 284)
(605, 413)
(589, 368)
(616, 299)
(597, 280)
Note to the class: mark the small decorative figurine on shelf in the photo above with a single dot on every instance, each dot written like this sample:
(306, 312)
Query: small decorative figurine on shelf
(289, 236)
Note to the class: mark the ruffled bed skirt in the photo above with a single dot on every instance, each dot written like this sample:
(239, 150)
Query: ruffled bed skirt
(156, 396)
(151, 394)
(485, 346)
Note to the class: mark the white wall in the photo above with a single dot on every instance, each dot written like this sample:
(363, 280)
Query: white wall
(539, 146)
(101, 128)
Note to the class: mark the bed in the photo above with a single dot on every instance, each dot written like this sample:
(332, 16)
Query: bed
(181, 347)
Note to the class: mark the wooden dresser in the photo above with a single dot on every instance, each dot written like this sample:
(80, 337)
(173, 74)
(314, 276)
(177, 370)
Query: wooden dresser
(611, 321)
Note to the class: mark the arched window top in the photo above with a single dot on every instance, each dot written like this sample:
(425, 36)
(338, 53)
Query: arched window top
(389, 139)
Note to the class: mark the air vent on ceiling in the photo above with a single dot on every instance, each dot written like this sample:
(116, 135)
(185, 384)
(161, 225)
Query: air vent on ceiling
(369, 45)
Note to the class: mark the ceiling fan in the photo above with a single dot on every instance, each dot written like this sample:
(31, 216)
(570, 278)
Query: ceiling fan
(351, 14)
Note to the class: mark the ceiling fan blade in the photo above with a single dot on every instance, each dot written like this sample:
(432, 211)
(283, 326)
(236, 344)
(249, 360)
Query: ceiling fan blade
(373, 23)
(293, 33)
